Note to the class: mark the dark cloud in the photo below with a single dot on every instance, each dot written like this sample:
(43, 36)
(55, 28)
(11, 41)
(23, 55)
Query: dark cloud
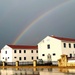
(16, 15)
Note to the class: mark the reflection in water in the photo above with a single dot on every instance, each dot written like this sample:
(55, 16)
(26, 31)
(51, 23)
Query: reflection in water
(36, 71)
(67, 71)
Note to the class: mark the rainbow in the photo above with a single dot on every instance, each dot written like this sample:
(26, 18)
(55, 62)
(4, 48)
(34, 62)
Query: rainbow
(38, 19)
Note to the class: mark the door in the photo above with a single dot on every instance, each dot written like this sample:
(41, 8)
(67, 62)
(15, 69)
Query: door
(49, 57)
(6, 59)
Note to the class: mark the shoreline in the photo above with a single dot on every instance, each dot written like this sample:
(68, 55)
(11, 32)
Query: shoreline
(67, 67)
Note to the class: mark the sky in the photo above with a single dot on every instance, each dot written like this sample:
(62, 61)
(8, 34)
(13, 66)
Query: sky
(27, 22)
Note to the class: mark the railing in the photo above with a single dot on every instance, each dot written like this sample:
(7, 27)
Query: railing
(44, 63)
(10, 63)
(20, 63)
(26, 63)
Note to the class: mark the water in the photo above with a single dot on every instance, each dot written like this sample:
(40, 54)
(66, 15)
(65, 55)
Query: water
(39, 71)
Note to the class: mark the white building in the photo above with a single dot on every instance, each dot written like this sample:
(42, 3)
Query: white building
(12, 53)
(52, 47)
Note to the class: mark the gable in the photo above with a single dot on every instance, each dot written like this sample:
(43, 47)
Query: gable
(44, 40)
(6, 47)
(48, 39)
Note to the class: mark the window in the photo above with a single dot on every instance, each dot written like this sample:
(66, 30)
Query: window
(19, 58)
(74, 45)
(19, 51)
(37, 57)
(31, 51)
(43, 54)
(70, 55)
(36, 51)
(54, 54)
(24, 51)
(48, 46)
(8, 57)
(5, 52)
(69, 45)
(14, 51)
(32, 58)
(64, 45)
(14, 57)
(24, 58)
(3, 57)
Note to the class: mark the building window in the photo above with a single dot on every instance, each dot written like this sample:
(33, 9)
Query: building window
(43, 54)
(5, 52)
(32, 58)
(8, 57)
(3, 57)
(74, 45)
(70, 55)
(37, 57)
(31, 51)
(14, 51)
(54, 54)
(19, 58)
(24, 58)
(19, 51)
(64, 45)
(48, 46)
(36, 51)
(14, 57)
(24, 51)
(69, 45)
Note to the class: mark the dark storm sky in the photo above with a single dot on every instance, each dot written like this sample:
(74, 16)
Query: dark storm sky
(16, 15)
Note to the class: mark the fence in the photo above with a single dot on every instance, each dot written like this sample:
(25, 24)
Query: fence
(20, 63)
(26, 63)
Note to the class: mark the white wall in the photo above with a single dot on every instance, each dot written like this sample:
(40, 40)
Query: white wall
(68, 50)
(7, 56)
(55, 47)
(71, 61)
(28, 55)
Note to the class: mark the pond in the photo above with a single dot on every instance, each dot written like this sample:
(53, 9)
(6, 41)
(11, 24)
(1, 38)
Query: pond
(38, 71)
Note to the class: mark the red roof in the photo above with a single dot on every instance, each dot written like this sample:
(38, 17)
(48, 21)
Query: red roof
(63, 39)
(23, 47)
